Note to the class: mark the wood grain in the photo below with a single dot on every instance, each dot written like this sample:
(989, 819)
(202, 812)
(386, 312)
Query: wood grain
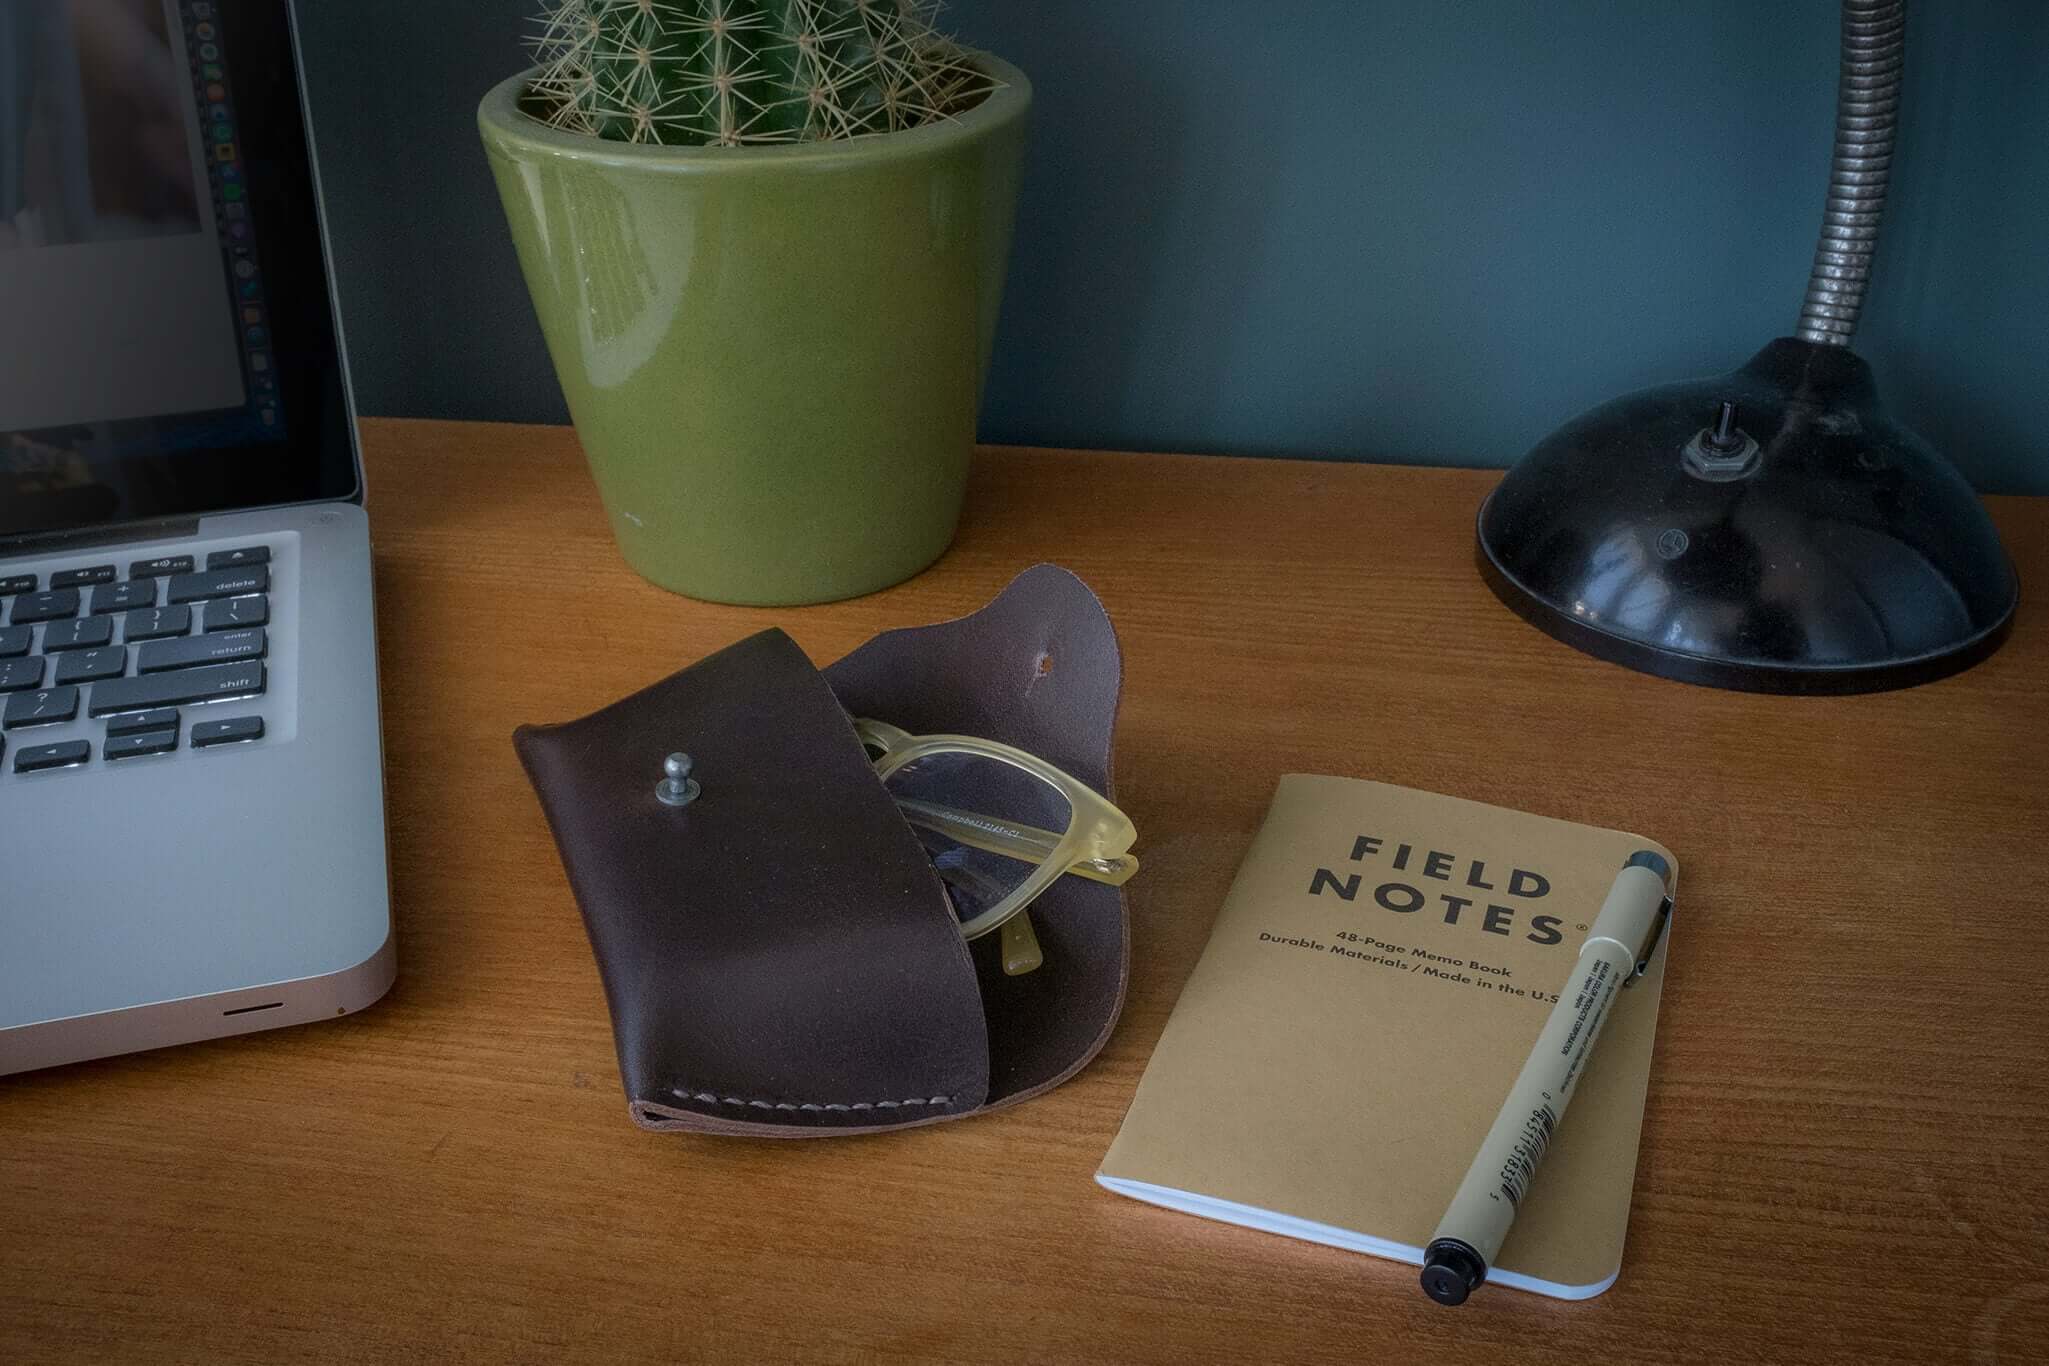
(1844, 1153)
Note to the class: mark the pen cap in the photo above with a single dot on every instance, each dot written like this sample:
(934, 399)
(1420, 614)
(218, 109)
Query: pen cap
(1653, 860)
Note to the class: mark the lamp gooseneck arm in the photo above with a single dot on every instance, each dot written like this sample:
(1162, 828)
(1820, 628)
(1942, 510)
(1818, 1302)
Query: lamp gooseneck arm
(1867, 115)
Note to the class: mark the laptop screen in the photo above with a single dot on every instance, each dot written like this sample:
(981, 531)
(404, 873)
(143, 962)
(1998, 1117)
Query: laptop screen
(168, 342)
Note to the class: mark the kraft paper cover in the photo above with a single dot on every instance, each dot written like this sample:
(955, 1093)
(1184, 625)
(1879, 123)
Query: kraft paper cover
(1339, 1060)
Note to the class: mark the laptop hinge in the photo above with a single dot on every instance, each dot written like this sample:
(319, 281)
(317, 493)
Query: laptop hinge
(44, 542)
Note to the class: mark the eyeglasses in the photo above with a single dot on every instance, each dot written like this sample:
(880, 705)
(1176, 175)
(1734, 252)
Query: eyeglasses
(1001, 826)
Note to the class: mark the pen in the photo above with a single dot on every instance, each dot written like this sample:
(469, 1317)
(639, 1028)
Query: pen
(1617, 951)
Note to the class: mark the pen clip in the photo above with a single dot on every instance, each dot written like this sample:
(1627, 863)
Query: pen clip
(1650, 943)
(1645, 858)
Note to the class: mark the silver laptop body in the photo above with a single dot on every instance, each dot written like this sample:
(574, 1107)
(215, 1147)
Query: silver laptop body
(192, 838)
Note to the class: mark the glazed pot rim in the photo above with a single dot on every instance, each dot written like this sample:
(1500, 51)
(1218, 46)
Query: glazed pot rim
(505, 125)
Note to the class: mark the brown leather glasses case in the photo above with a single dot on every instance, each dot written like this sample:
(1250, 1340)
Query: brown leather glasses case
(778, 955)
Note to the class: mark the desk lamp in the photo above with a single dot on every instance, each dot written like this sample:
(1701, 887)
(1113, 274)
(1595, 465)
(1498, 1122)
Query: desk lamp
(1771, 529)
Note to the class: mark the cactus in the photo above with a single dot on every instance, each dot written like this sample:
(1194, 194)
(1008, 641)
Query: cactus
(730, 72)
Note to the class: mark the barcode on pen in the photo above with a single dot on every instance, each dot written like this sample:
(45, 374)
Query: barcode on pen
(1526, 1154)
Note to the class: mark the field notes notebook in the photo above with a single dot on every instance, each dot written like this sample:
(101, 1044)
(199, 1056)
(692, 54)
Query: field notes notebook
(1374, 983)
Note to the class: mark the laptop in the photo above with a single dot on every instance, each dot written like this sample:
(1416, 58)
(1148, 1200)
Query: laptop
(191, 801)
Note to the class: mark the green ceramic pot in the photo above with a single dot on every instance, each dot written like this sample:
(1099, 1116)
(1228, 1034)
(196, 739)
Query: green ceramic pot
(773, 355)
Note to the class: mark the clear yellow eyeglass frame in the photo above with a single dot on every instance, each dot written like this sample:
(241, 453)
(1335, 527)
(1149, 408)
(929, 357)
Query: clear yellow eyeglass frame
(1096, 845)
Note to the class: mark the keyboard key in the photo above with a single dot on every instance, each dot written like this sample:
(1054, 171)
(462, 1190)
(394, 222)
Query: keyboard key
(63, 754)
(215, 682)
(90, 666)
(235, 559)
(16, 674)
(163, 564)
(153, 623)
(79, 578)
(145, 742)
(163, 718)
(219, 583)
(122, 597)
(10, 584)
(215, 647)
(235, 612)
(80, 633)
(232, 731)
(14, 641)
(40, 708)
(51, 606)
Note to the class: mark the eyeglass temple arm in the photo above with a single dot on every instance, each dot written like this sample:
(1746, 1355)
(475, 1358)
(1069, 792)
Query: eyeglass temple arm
(1021, 951)
(1024, 842)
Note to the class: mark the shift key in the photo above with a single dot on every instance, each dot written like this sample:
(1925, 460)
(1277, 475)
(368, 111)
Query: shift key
(219, 583)
(217, 647)
(209, 683)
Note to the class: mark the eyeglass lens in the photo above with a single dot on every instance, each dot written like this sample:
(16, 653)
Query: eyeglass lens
(986, 824)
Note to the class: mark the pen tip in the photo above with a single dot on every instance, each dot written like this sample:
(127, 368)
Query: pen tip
(1444, 1285)
(1451, 1271)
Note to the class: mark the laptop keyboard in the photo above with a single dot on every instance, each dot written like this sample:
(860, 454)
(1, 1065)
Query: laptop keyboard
(172, 653)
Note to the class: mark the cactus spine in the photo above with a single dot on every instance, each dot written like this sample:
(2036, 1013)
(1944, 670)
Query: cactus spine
(731, 72)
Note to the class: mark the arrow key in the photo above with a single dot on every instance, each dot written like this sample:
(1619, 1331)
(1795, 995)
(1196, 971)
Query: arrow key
(63, 754)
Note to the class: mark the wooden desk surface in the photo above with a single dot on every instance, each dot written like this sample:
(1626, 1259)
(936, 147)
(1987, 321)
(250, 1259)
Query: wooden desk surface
(1844, 1152)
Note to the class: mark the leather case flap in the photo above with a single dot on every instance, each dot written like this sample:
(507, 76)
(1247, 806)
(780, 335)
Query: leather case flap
(1038, 668)
(778, 955)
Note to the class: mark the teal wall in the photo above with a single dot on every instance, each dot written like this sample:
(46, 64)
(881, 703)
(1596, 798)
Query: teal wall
(1422, 231)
